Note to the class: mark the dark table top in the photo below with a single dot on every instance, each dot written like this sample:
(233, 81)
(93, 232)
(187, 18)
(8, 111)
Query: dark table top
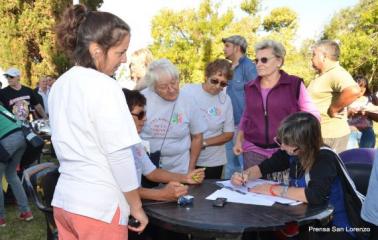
(203, 220)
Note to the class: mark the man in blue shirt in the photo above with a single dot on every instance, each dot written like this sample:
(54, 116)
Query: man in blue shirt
(235, 48)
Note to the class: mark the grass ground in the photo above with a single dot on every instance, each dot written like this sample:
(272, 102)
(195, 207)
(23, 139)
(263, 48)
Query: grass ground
(21, 230)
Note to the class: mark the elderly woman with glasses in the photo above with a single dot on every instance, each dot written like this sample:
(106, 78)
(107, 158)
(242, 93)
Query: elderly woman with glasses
(174, 125)
(216, 109)
(269, 99)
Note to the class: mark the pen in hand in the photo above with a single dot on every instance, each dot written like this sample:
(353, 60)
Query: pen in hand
(243, 181)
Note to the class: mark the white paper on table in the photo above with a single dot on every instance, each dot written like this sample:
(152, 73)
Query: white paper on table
(254, 183)
(236, 197)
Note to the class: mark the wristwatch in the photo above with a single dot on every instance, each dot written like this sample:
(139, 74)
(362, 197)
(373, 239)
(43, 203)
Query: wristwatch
(204, 144)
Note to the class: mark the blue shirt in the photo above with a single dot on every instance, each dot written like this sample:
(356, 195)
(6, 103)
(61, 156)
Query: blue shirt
(336, 196)
(243, 73)
(369, 210)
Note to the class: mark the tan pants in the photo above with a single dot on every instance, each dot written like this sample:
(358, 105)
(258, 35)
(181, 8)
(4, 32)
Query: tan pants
(338, 144)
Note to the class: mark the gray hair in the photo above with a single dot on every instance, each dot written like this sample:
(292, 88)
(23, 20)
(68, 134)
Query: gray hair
(158, 67)
(330, 48)
(278, 49)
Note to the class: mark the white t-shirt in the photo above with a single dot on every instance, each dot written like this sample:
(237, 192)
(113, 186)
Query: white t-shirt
(186, 120)
(143, 164)
(89, 121)
(217, 111)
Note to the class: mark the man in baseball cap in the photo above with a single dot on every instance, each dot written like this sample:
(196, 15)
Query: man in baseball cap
(235, 48)
(12, 72)
(19, 99)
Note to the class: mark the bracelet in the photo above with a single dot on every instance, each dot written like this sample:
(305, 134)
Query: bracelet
(283, 192)
(271, 190)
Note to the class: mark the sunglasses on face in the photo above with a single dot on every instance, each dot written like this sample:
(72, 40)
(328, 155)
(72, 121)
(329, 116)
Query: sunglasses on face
(263, 60)
(139, 115)
(216, 82)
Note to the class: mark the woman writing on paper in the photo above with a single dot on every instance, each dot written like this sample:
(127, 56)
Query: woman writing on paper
(316, 176)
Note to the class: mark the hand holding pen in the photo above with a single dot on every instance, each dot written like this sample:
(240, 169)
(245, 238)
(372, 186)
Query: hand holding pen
(239, 178)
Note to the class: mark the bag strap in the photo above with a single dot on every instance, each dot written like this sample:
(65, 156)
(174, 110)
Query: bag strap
(169, 124)
(346, 174)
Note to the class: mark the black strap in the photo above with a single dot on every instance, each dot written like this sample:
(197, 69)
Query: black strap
(169, 124)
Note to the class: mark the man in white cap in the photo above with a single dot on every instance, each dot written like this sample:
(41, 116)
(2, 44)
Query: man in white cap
(235, 48)
(18, 98)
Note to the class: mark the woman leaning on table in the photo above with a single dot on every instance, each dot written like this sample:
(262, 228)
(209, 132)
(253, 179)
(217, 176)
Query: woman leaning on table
(269, 99)
(93, 131)
(174, 125)
(316, 176)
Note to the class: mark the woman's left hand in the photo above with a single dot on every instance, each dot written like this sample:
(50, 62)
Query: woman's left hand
(196, 176)
(262, 189)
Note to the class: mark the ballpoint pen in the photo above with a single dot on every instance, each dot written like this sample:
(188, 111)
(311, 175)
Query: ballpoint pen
(242, 175)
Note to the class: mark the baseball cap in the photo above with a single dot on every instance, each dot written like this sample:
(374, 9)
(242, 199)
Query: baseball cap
(13, 72)
(237, 40)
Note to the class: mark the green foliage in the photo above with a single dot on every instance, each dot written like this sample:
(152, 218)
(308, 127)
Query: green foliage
(192, 38)
(250, 6)
(188, 37)
(27, 37)
(279, 18)
(357, 30)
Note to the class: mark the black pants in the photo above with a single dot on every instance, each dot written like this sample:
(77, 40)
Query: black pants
(212, 172)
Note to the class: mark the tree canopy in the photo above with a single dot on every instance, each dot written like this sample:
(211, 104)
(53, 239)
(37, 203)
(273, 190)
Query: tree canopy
(27, 37)
(357, 30)
(192, 38)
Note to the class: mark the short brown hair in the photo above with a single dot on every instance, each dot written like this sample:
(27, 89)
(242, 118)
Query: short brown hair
(220, 65)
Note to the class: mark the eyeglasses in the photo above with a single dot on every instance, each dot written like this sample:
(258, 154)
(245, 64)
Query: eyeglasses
(139, 115)
(277, 141)
(216, 82)
(263, 60)
(8, 76)
(164, 87)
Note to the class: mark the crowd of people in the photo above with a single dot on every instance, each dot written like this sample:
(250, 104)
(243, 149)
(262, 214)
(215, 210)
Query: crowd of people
(247, 119)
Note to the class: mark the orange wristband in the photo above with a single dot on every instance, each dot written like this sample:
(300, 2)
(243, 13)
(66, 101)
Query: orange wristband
(271, 190)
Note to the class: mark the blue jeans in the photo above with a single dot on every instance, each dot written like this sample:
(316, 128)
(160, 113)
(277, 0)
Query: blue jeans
(354, 139)
(234, 162)
(367, 138)
(15, 146)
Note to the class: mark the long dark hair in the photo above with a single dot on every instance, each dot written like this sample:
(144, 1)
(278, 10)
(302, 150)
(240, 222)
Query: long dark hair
(361, 80)
(302, 129)
(79, 27)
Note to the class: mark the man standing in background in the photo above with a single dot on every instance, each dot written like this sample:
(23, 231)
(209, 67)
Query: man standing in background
(235, 48)
(17, 98)
(43, 91)
(332, 90)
